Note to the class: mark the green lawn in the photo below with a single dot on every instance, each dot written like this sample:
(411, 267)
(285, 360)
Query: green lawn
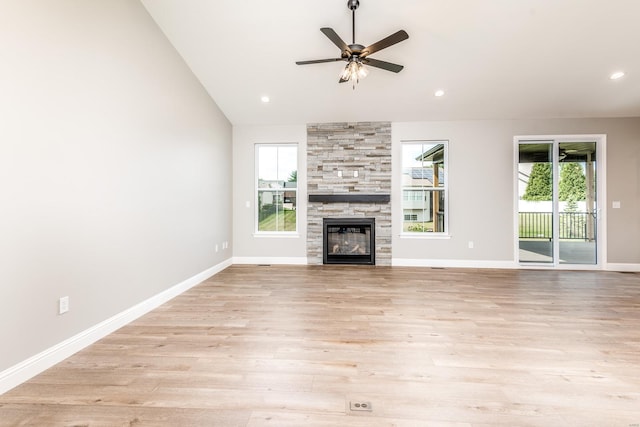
(535, 225)
(417, 227)
(279, 221)
(540, 225)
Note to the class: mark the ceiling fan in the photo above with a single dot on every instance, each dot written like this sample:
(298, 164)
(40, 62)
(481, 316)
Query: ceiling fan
(356, 55)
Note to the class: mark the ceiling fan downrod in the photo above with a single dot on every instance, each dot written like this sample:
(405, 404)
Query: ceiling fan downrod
(353, 5)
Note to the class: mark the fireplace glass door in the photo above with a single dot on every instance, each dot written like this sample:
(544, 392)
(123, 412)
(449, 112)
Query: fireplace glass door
(349, 241)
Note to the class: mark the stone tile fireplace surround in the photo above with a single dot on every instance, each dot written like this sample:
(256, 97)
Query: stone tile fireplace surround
(335, 149)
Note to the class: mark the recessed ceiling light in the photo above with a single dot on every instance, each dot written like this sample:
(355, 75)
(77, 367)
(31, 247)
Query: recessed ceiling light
(265, 99)
(617, 75)
(439, 93)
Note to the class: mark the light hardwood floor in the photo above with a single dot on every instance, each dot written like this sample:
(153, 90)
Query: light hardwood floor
(293, 345)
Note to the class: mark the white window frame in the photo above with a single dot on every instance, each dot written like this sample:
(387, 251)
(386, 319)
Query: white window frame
(283, 233)
(601, 191)
(444, 189)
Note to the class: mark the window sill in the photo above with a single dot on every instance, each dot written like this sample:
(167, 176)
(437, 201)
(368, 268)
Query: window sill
(426, 236)
(275, 234)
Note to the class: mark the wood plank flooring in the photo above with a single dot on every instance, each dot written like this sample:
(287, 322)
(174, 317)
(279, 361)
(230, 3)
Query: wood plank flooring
(293, 345)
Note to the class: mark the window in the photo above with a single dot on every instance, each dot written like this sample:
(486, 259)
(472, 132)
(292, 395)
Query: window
(277, 187)
(424, 187)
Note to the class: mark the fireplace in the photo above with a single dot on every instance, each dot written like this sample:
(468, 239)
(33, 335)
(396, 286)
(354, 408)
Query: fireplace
(349, 241)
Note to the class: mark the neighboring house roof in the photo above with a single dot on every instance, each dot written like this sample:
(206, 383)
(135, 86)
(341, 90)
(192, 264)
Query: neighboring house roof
(421, 174)
(277, 184)
(435, 154)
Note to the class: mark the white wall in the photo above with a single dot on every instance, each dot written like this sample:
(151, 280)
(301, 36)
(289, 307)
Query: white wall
(247, 246)
(115, 168)
(547, 206)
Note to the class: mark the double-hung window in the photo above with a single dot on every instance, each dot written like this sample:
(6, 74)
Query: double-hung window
(424, 187)
(277, 188)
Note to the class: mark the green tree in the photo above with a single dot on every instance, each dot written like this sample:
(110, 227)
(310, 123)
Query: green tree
(572, 205)
(294, 176)
(572, 185)
(539, 185)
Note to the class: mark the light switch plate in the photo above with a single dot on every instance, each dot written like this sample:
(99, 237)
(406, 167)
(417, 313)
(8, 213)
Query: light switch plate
(63, 305)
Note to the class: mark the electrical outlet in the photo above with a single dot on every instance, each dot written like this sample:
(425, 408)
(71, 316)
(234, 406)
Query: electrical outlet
(216, 248)
(63, 305)
(470, 244)
(360, 406)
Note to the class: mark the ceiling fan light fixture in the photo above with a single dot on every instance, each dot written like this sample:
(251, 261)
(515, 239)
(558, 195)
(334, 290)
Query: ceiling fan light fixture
(354, 71)
(362, 71)
(346, 73)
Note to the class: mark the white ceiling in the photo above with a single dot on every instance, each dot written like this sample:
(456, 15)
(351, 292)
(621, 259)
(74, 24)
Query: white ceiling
(496, 59)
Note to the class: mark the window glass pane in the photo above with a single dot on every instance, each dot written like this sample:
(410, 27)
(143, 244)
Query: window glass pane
(277, 166)
(267, 167)
(423, 187)
(277, 187)
(276, 210)
(425, 215)
(288, 164)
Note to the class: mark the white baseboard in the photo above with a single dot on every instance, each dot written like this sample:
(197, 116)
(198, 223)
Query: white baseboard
(622, 267)
(440, 263)
(452, 263)
(271, 260)
(34, 365)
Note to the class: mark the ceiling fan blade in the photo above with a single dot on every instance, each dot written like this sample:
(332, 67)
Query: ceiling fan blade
(394, 38)
(383, 64)
(319, 61)
(335, 38)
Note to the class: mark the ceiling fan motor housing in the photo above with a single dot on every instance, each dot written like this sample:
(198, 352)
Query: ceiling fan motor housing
(353, 4)
(356, 49)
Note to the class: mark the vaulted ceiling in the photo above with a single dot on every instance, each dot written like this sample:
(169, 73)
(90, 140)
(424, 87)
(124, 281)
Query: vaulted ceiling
(494, 59)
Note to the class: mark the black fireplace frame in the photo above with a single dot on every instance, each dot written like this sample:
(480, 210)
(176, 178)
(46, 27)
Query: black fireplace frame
(328, 258)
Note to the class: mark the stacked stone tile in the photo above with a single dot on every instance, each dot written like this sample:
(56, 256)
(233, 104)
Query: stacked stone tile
(364, 147)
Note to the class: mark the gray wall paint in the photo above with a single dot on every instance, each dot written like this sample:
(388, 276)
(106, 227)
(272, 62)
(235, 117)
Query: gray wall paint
(481, 185)
(246, 244)
(623, 184)
(481, 168)
(115, 168)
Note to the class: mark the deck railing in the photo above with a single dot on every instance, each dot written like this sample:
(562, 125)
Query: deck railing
(539, 225)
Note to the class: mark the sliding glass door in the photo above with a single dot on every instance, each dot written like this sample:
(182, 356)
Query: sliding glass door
(535, 202)
(557, 218)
